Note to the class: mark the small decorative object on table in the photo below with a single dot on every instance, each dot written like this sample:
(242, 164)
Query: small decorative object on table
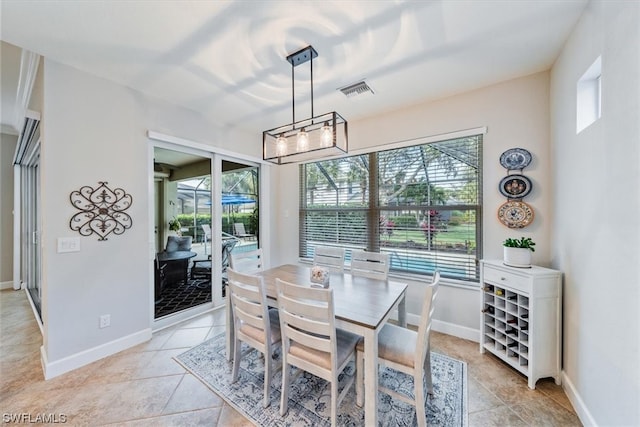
(320, 276)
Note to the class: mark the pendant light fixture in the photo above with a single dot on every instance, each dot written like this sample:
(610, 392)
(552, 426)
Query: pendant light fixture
(315, 137)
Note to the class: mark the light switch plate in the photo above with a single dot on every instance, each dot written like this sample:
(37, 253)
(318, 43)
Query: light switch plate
(68, 244)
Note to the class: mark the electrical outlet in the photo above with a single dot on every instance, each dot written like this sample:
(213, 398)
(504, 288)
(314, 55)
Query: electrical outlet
(105, 320)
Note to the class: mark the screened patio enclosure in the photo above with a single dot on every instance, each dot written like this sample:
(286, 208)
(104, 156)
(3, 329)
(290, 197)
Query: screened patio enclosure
(194, 204)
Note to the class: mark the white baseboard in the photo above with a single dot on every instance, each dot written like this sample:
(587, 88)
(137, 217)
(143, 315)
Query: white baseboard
(456, 330)
(577, 402)
(446, 328)
(69, 363)
(6, 285)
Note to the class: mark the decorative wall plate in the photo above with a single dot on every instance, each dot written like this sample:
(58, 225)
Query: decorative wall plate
(515, 158)
(515, 186)
(515, 214)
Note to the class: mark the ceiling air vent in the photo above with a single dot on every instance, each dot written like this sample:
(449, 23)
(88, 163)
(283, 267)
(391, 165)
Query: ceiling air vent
(356, 89)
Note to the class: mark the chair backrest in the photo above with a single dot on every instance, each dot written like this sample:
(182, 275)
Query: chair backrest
(426, 315)
(239, 230)
(178, 243)
(249, 305)
(374, 265)
(307, 319)
(247, 262)
(206, 228)
(329, 257)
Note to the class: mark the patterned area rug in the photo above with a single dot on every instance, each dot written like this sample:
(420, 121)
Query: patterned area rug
(179, 297)
(309, 397)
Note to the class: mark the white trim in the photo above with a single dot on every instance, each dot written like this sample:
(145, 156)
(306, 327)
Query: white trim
(406, 143)
(7, 285)
(421, 140)
(29, 62)
(444, 327)
(69, 363)
(157, 136)
(17, 215)
(8, 130)
(171, 320)
(578, 404)
(456, 330)
(35, 311)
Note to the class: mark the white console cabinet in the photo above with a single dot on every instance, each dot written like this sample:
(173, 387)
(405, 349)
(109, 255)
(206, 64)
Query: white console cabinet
(521, 318)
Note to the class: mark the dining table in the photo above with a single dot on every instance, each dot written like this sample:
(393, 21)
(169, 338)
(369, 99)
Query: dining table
(362, 306)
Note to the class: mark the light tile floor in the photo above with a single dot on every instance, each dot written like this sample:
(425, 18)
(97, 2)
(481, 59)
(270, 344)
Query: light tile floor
(145, 386)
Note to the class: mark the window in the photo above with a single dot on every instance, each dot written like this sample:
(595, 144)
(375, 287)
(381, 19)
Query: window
(588, 94)
(421, 204)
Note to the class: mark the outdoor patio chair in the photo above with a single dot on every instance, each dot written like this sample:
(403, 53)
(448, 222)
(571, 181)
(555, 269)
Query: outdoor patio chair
(206, 235)
(202, 267)
(239, 231)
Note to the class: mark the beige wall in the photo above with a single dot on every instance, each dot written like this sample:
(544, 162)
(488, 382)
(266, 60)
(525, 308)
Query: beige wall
(7, 150)
(94, 130)
(597, 216)
(516, 114)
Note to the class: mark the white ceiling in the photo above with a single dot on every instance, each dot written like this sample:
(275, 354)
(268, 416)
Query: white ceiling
(227, 59)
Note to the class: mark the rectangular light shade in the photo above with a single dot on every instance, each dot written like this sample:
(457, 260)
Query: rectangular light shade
(288, 151)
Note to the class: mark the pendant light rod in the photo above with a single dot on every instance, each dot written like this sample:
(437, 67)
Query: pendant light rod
(300, 57)
(312, 86)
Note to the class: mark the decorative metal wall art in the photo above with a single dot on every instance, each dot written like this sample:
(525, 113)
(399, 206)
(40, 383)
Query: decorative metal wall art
(101, 211)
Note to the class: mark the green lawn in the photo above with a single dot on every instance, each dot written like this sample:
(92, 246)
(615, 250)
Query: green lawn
(455, 234)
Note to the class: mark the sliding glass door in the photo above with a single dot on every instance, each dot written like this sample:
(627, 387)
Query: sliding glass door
(27, 164)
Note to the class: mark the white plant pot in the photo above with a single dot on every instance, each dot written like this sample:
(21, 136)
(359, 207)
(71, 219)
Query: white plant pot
(517, 257)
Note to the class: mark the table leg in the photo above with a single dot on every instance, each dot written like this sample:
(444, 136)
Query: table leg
(186, 272)
(229, 331)
(402, 312)
(371, 377)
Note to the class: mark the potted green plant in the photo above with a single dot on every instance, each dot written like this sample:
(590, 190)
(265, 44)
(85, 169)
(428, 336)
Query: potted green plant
(517, 252)
(174, 225)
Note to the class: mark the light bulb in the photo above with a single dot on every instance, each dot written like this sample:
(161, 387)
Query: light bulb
(281, 146)
(326, 135)
(303, 141)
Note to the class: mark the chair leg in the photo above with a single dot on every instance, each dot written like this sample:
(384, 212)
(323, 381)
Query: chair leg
(359, 379)
(284, 393)
(237, 347)
(421, 413)
(267, 379)
(334, 402)
(427, 372)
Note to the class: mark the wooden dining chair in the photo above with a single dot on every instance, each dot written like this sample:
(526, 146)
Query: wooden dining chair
(247, 262)
(374, 265)
(254, 324)
(310, 340)
(406, 351)
(330, 258)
